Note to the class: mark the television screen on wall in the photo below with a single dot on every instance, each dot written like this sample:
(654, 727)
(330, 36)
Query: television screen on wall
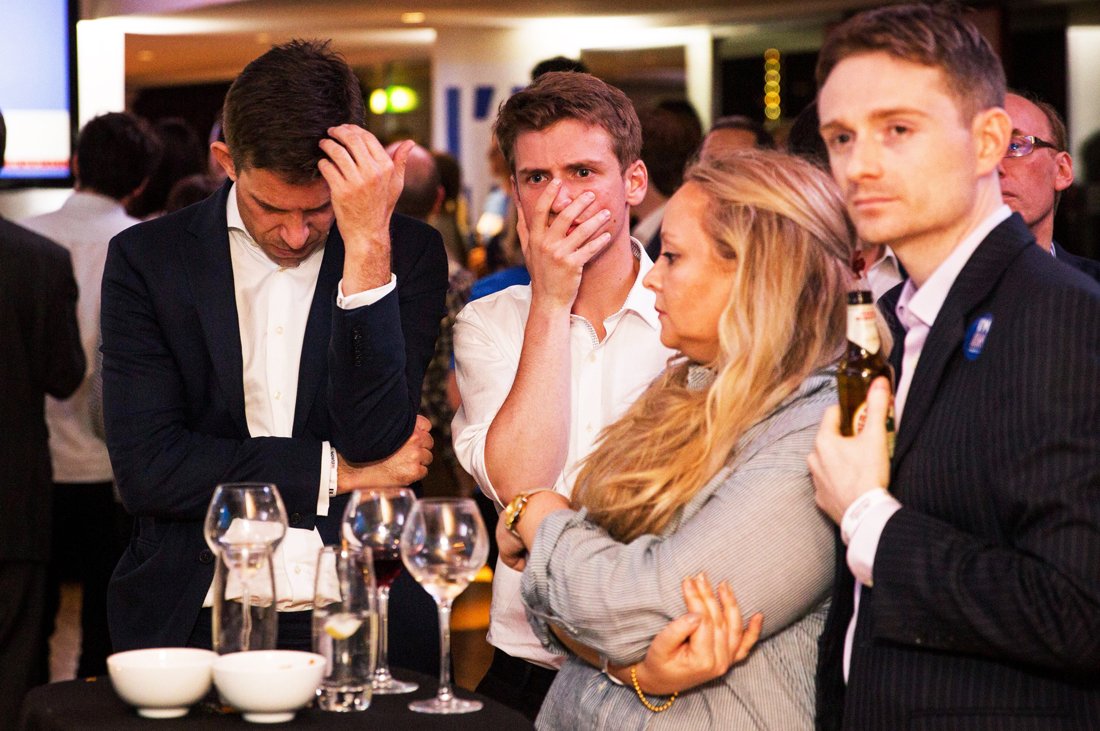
(38, 90)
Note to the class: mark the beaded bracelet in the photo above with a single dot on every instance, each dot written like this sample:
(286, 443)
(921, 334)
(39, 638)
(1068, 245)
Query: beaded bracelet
(645, 701)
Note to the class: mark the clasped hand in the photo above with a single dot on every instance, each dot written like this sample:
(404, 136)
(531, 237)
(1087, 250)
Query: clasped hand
(405, 466)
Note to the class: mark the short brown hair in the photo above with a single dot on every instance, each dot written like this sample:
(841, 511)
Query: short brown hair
(559, 95)
(281, 106)
(929, 35)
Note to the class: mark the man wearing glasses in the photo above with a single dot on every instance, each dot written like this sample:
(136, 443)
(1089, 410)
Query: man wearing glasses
(1035, 171)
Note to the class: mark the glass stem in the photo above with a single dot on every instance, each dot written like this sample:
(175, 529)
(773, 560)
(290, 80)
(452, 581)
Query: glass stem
(382, 668)
(446, 694)
(246, 614)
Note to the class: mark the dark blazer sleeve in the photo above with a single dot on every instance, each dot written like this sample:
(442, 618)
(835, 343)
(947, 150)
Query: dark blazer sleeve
(64, 354)
(389, 344)
(996, 550)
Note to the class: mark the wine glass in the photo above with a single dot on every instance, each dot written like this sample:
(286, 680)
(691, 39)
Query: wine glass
(374, 518)
(245, 522)
(443, 546)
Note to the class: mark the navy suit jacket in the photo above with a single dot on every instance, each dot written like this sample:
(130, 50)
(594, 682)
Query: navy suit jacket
(985, 610)
(174, 397)
(1088, 266)
(40, 353)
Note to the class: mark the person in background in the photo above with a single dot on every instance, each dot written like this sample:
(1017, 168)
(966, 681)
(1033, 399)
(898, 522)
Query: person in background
(558, 63)
(543, 367)
(277, 332)
(735, 132)
(705, 475)
(669, 141)
(968, 588)
(182, 155)
(115, 156)
(452, 218)
(422, 198)
(42, 356)
(1035, 171)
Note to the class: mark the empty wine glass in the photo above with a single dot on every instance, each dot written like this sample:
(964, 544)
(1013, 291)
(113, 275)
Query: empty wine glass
(374, 518)
(443, 546)
(245, 522)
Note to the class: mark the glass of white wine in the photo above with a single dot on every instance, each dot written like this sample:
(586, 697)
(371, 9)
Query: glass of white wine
(443, 546)
(375, 518)
(245, 522)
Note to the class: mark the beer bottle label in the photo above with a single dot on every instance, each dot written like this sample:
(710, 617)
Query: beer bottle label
(861, 327)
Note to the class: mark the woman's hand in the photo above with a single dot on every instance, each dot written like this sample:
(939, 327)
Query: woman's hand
(698, 646)
(512, 551)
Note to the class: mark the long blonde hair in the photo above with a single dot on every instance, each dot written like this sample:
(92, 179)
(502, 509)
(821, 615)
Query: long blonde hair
(781, 220)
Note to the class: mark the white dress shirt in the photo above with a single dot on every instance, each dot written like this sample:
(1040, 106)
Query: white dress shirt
(607, 377)
(273, 304)
(917, 309)
(84, 225)
(884, 274)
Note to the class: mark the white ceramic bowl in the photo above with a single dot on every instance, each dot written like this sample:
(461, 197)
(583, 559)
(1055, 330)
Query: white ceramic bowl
(161, 682)
(268, 686)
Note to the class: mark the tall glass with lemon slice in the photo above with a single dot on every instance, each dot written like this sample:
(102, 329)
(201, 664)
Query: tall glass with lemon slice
(345, 627)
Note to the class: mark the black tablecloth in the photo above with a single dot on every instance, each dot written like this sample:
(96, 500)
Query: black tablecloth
(93, 704)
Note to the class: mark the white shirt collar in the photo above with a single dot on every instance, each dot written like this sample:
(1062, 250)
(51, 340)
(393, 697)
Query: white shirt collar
(640, 300)
(925, 303)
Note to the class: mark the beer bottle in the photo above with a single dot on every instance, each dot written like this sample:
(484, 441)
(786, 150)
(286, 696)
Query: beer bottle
(862, 363)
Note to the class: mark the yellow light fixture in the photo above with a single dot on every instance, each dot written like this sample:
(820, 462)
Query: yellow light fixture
(395, 99)
(413, 18)
(378, 101)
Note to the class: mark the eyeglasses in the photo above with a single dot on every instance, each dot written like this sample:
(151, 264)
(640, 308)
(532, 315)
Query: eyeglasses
(1024, 145)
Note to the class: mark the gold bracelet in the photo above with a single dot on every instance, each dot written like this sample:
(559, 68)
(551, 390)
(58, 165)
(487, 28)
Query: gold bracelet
(645, 701)
(513, 511)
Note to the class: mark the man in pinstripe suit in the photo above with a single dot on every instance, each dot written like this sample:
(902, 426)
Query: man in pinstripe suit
(970, 597)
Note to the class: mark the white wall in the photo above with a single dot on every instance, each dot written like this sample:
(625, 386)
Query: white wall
(1083, 70)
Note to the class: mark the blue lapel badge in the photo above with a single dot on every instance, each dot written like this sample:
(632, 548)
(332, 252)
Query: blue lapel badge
(976, 335)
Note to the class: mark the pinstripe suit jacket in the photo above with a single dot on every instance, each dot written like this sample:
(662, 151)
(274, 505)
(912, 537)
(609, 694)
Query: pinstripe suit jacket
(985, 611)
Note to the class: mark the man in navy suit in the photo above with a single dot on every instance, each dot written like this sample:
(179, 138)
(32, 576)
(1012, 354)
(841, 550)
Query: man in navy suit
(1035, 171)
(40, 353)
(277, 331)
(975, 550)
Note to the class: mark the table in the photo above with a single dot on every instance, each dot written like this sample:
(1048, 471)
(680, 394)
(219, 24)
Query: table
(92, 704)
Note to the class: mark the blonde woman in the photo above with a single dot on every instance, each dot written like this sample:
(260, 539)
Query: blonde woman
(705, 475)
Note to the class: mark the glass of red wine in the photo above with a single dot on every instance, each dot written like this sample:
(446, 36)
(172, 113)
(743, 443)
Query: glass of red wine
(375, 518)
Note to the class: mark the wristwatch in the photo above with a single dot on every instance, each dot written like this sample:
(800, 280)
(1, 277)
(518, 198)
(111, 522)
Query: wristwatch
(513, 511)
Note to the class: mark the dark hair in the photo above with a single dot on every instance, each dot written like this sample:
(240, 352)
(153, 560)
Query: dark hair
(422, 184)
(804, 137)
(558, 63)
(283, 104)
(182, 154)
(562, 95)
(3, 137)
(450, 175)
(930, 35)
(115, 153)
(191, 189)
(764, 139)
(669, 141)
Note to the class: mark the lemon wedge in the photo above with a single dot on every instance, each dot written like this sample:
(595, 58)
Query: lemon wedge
(342, 626)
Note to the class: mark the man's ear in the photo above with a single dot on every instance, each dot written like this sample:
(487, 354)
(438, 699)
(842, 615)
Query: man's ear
(992, 130)
(1064, 177)
(221, 153)
(636, 180)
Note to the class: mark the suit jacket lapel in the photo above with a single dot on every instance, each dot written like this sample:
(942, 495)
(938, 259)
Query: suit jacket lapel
(975, 282)
(210, 273)
(312, 366)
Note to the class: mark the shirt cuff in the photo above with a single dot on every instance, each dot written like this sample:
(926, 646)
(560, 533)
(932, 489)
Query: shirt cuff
(327, 488)
(861, 528)
(366, 297)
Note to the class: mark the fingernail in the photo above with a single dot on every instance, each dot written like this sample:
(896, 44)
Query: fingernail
(555, 182)
(588, 195)
(605, 214)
